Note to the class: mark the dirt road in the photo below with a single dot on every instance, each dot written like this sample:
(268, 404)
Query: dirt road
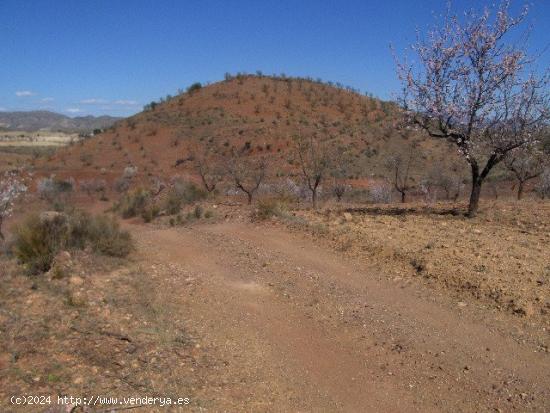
(299, 328)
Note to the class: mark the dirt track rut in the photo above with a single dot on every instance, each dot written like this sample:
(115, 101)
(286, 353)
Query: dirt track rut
(303, 329)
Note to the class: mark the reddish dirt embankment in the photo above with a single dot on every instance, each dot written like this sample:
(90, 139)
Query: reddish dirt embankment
(246, 317)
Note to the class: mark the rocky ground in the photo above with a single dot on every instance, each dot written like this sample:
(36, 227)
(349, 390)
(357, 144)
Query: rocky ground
(372, 313)
(500, 258)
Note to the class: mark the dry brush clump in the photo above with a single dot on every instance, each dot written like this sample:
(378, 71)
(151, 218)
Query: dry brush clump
(183, 193)
(123, 183)
(93, 186)
(380, 192)
(271, 207)
(133, 203)
(53, 189)
(40, 237)
(151, 203)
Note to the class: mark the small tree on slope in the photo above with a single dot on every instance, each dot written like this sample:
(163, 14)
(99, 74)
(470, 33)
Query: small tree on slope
(247, 173)
(526, 164)
(315, 161)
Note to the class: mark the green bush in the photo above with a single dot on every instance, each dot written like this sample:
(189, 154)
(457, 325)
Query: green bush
(40, 237)
(194, 87)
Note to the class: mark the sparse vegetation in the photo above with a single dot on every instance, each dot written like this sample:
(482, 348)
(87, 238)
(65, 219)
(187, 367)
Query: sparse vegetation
(39, 238)
(314, 161)
(11, 188)
(248, 174)
(54, 189)
(271, 207)
(526, 163)
(133, 204)
(400, 167)
(208, 166)
(194, 87)
(324, 265)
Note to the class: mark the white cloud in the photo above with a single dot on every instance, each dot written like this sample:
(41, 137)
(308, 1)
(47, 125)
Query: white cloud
(119, 102)
(93, 101)
(126, 102)
(24, 93)
(47, 99)
(73, 110)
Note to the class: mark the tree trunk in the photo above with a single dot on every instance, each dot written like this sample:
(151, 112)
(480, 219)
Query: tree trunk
(1, 234)
(314, 198)
(403, 197)
(520, 190)
(474, 197)
(249, 195)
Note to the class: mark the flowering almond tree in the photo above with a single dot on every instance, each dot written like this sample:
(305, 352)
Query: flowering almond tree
(472, 87)
(11, 187)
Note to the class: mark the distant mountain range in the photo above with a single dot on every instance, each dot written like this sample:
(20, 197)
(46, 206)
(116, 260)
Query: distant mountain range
(50, 121)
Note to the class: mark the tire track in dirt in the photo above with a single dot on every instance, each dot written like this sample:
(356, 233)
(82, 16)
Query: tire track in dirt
(328, 334)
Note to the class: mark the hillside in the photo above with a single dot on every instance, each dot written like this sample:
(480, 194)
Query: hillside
(261, 114)
(42, 120)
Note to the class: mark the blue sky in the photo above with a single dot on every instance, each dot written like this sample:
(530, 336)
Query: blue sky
(113, 56)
